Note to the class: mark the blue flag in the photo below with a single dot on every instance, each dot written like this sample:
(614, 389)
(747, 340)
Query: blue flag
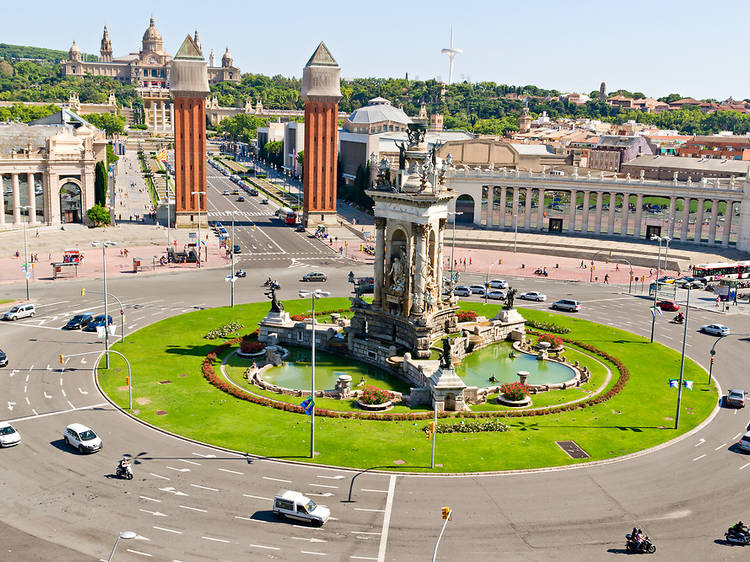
(305, 403)
(688, 384)
(309, 405)
(674, 383)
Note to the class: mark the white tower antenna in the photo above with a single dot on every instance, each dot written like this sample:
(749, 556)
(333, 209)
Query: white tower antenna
(451, 52)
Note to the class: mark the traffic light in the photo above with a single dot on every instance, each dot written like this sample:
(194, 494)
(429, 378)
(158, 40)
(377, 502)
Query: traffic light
(62, 359)
(430, 430)
(83, 292)
(712, 360)
(446, 512)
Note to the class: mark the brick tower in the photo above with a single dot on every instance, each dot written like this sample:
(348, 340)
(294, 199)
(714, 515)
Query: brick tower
(321, 92)
(189, 90)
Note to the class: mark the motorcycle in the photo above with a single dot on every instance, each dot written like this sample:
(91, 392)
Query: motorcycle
(737, 537)
(645, 545)
(268, 282)
(678, 319)
(125, 472)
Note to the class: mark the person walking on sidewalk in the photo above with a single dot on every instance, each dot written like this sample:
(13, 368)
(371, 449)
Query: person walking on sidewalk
(606, 278)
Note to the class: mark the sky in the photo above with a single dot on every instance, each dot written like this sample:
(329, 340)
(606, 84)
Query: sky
(687, 47)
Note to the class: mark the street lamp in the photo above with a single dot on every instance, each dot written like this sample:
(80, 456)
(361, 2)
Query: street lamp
(104, 245)
(682, 361)
(515, 232)
(316, 294)
(199, 193)
(660, 239)
(125, 535)
(27, 272)
(231, 279)
(122, 311)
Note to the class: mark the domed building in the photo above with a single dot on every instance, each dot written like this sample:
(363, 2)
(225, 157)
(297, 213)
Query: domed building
(227, 72)
(378, 116)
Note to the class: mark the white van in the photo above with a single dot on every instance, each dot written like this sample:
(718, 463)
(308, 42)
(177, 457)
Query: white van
(20, 311)
(294, 505)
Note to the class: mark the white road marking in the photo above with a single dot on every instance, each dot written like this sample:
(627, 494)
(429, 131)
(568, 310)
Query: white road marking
(231, 471)
(35, 416)
(149, 499)
(178, 469)
(171, 490)
(194, 508)
(84, 392)
(325, 495)
(168, 530)
(71, 404)
(362, 557)
(216, 540)
(159, 476)
(276, 479)
(737, 436)
(14, 371)
(25, 388)
(370, 490)
(701, 442)
(139, 553)
(11, 405)
(365, 532)
(256, 497)
(744, 465)
(140, 538)
(47, 396)
(369, 509)
(154, 513)
(35, 412)
(248, 519)
(699, 458)
(313, 553)
(189, 462)
(337, 477)
(27, 401)
(205, 456)
(205, 488)
(324, 486)
(386, 519)
(264, 546)
(720, 446)
(313, 539)
(63, 393)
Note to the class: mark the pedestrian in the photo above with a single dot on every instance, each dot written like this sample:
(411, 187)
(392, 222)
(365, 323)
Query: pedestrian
(617, 267)
(17, 254)
(469, 260)
(650, 272)
(582, 266)
(49, 256)
(606, 278)
(717, 300)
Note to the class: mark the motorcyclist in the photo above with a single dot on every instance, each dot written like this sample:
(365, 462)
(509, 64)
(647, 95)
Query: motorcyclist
(680, 317)
(738, 528)
(124, 464)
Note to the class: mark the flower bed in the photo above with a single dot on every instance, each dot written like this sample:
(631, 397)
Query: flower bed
(547, 326)
(224, 332)
(514, 391)
(468, 427)
(466, 315)
(372, 395)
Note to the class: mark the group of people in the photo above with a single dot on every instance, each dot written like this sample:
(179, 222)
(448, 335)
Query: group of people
(541, 271)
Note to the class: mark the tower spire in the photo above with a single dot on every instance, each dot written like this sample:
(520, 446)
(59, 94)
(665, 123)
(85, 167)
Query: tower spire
(451, 51)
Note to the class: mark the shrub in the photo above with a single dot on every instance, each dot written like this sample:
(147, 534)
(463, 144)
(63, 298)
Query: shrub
(98, 215)
(469, 427)
(554, 341)
(374, 395)
(225, 331)
(547, 326)
(514, 390)
(466, 315)
(251, 345)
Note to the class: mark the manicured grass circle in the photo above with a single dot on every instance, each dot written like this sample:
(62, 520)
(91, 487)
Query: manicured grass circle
(637, 418)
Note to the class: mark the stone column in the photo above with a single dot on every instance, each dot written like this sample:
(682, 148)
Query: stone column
(490, 204)
(419, 232)
(156, 123)
(439, 248)
(540, 209)
(503, 195)
(2, 200)
(598, 215)
(638, 215)
(163, 117)
(585, 218)
(714, 220)
(572, 211)
(32, 197)
(625, 214)
(699, 222)
(16, 200)
(527, 208)
(514, 218)
(685, 218)
(611, 214)
(727, 224)
(671, 216)
(379, 260)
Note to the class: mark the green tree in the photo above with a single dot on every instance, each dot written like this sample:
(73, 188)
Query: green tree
(100, 183)
(111, 156)
(111, 124)
(301, 161)
(274, 152)
(98, 215)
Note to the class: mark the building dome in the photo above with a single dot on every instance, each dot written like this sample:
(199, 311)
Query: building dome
(378, 110)
(74, 53)
(226, 60)
(152, 40)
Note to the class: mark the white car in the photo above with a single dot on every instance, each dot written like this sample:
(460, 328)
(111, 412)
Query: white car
(477, 290)
(496, 295)
(8, 435)
(294, 505)
(715, 329)
(20, 311)
(533, 296)
(80, 437)
(225, 192)
(498, 284)
(462, 291)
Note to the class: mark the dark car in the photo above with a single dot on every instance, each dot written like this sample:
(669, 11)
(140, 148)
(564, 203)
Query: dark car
(240, 273)
(3, 359)
(236, 249)
(98, 320)
(79, 321)
(240, 199)
(299, 228)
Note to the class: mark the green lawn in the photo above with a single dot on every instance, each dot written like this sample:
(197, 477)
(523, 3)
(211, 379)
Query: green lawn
(170, 392)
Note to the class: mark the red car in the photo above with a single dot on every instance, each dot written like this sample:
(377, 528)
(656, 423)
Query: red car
(668, 305)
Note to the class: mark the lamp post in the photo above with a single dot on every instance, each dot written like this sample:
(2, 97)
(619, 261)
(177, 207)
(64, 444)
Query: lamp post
(660, 239)
(199, 193)
(27, 273)
(453, 244)
(316, 294)
(122, 311)
(447, 514)
(104, 245)
(682, 361)
(515, 232)
(125, 535)
(231, 278)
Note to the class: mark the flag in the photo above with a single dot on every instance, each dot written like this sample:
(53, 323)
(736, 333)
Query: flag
(308, 405)
(162, 156)
(688, 384)
(674, 383)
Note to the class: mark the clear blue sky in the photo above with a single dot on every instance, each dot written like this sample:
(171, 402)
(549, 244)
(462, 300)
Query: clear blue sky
(689, 47)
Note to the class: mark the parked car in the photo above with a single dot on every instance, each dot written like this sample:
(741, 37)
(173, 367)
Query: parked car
(235, 192)
(79, 321)
(236, 249)
(498, 284)
(693, 284)
(294, 505)
(3, 359)
(314, 276)
(496, 295)
(744, 442)
(20, 311)
(8, 435)
(240, 199)
(533, 296)
(461, 291)
(80, 437)
(477, 290)
(736, 398)
(225, 192)
(568, 305)
(715, 329)
(97, 321)
(669, 306)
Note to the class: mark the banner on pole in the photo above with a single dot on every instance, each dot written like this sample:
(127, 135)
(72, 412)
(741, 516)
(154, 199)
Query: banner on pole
(674, 383)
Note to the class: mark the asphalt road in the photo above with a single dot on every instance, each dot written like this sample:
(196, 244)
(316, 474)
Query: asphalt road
(191, 502)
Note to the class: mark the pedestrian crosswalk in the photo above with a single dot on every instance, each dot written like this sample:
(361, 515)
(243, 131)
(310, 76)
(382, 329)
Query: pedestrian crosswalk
(247, 214)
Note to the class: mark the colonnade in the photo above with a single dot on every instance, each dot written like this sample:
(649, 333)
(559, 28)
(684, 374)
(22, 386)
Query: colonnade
(156, 116)
(15, 202)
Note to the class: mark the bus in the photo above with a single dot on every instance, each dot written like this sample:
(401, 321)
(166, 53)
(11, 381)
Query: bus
(287, 215)
(723, 271)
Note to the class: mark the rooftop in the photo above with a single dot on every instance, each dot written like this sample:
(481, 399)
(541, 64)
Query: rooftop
(690, 164)
(378, 110)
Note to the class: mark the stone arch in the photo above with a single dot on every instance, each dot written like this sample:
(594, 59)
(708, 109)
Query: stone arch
(71, 203)
(449, 404)
(465, 205)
